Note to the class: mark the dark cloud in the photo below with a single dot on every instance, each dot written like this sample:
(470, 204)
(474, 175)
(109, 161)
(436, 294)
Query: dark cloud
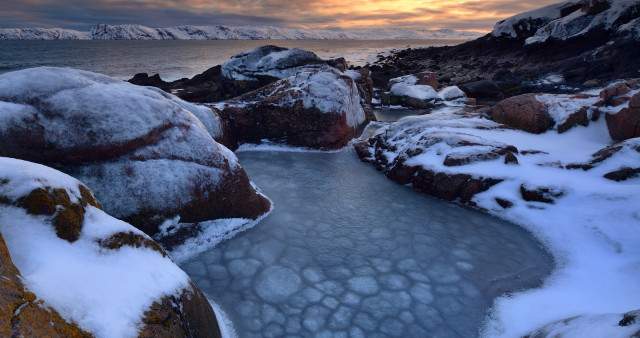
(82, 14)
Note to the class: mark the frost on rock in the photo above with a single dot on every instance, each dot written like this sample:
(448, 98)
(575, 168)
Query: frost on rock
(111, 279)
(144, 153)
(269, 61)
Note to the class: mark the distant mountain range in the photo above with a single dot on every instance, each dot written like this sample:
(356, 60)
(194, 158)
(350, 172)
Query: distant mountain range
(138, 32)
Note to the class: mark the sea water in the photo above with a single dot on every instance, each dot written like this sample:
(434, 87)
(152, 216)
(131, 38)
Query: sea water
(348, 253)
(177, 59)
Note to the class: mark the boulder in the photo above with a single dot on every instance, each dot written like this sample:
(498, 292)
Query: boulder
(318, 109)
(613, 91)
(481, 89)
(635, 101)
(362, 79)
(624, 124)
(270, 63)
(609, 324)
(110, 279)
(146, 154)
(523, 112)
(424, 79)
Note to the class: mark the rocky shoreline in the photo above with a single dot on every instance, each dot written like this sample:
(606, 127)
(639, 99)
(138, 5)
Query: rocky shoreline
(538, 130)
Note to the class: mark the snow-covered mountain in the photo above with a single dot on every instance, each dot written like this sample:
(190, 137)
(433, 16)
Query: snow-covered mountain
(138, 32)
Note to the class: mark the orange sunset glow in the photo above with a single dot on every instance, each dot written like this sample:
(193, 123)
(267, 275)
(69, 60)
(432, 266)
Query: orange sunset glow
(427, 14)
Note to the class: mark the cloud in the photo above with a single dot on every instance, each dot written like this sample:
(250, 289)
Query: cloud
(426, 14)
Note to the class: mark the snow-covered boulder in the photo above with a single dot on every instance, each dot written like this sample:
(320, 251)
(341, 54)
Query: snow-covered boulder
(101, 275)
(145, 153)
(318, 109)
(420, 91)
(623, 123)
(269, 62)
(593, 325)
(540, 113)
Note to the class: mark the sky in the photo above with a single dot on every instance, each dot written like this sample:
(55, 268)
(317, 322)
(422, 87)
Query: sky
(329, 14)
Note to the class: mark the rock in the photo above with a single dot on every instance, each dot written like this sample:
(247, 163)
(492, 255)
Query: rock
(270, 63)
(635, 101)
(593, 7)
(539, 194)
(622, 174)
(624, 125)
(618, 89)
(143, 79)
(610, 324)
(146, 154)
(505, 204)
(523, 112)
(575, 119)
(34, 319)
(481, 89)
(424, 79)
(390, 150)
(364, 83)
(186, 315)
(591, 83)
(27, 187)
(510, 158)
(315, 109)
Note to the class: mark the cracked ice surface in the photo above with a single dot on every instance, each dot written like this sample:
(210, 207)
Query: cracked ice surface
(346, 252)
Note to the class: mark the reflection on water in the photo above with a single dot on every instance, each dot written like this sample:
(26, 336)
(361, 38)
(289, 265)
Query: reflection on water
(176, 59)
(348, 253)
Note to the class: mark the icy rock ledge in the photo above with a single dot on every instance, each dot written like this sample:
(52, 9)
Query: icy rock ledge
(146, 154)
(70, 269)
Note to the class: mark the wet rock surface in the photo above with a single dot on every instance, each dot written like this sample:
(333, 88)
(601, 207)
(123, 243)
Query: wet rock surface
(347, 252)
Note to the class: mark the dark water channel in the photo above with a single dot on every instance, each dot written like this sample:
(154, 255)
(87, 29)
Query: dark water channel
(348, 253)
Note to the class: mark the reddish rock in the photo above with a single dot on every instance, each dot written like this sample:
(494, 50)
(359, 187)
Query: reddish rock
(622, 174)
(510, 158)
(539, 194)
(613, 91)
(428, 79)
(523, 112)
(187, 315)
(316, 109)
(34, 319)
(118, 139)
(625, 124)
(578, 118)
(635, 101)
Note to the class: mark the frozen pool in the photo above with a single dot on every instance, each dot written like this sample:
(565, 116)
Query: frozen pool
(348, 253)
